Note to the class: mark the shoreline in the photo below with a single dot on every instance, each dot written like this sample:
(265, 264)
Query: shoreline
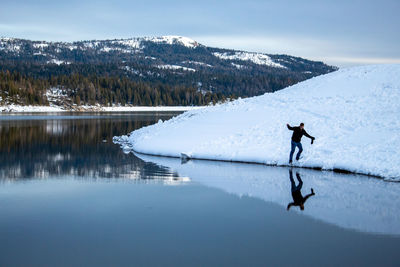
(37, 109)
(334, 170)
(352, 112)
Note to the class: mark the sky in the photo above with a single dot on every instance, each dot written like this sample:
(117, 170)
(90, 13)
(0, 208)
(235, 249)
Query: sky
(338, 32)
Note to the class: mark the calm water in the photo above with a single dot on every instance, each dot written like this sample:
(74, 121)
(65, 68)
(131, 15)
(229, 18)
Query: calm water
(69, 196)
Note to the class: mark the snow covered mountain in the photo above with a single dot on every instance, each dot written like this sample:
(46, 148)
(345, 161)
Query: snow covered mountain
(66, 53)
(353, 113)
(17, 46)
(193, 74)
(184, 53)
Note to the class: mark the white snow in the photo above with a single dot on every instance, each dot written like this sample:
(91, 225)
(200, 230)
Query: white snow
(55, 92)
(197, 63)
(10, 47)
(72, 47)
(106, 49)
(19, 108)
(136, 43)
(133, 43)
(132, 70)
(173, 39)
(354, 114)
(6, 39)
(257, 58)
(349, 201)
(57, 61)
(175, 67)
(40, 45)
(238, 66)
(91, 44)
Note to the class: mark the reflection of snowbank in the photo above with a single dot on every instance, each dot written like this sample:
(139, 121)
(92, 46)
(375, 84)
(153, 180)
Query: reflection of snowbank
(56, 127)
(354, 114)
(349, 201)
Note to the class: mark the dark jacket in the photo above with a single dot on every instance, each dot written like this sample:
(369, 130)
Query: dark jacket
(298, 198)
(298, 133)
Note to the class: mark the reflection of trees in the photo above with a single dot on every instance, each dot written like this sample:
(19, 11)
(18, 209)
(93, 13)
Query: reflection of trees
(40, 148)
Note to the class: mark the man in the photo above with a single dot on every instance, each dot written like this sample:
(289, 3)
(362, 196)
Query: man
(298, 132)
(298, 199)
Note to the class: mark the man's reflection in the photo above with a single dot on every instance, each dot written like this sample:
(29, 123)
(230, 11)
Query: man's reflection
(298, 199)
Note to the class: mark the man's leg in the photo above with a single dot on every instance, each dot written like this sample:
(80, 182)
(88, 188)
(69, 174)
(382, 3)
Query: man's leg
(293, 185)
(300, 150)
(300, 185)
(292, 151)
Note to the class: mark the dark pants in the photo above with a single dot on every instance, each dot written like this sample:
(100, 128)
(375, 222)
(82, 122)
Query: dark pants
(294, 144)
(295, 188)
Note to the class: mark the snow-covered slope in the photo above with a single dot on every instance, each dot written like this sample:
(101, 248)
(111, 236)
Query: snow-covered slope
(143, 48)
(354, 114)
(13, 44)
(257, 58)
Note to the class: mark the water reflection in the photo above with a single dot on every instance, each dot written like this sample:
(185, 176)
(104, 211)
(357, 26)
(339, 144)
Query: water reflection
(298, 199)
(40, 146)
(349, 201)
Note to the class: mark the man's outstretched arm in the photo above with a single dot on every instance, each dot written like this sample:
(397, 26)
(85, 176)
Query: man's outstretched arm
(309, 136)
(309, 195)
(289, 127)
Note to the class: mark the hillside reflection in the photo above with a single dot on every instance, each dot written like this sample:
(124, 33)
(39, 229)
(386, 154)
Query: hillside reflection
(43, 146)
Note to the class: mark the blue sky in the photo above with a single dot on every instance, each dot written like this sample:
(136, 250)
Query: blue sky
(341, 33)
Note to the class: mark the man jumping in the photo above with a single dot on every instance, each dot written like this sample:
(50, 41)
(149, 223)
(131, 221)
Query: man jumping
(298, 132)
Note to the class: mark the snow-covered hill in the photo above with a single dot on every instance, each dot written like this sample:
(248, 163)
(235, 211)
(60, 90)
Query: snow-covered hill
(15, 45)
(170, 61)
(354, 114)
(148, 49)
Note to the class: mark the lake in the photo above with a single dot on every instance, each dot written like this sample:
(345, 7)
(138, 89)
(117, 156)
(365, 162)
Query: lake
(69, 196)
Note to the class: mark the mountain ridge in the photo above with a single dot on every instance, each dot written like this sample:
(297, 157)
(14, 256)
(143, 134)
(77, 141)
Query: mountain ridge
(137, 45)
(175, 62)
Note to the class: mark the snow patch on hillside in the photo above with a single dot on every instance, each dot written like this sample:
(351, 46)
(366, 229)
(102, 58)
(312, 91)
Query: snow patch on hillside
(173, 39)
(134, 43)
(175, 67)
(40, 45)
(9, 45)
(353, 113)
(257, 58)
(238, 66)
(137, 43)
(57, 61)
(197, 63)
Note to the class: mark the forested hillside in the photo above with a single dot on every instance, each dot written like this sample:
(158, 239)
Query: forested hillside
(142, 71)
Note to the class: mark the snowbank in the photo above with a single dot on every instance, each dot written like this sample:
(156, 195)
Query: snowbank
(19, 108)
(354, 114)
